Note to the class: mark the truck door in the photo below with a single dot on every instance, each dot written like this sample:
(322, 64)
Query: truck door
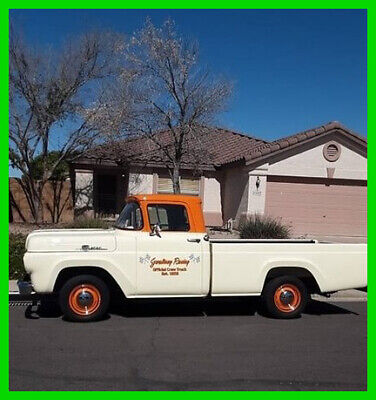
(170, 263)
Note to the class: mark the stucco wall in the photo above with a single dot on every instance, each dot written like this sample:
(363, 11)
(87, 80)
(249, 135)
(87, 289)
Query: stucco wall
(235, 193)
(140, 183)
(311, 163)
(212, 206)
(83, 193)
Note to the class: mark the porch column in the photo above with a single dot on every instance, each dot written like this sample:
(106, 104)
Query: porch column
(83, 204)
(257, 189)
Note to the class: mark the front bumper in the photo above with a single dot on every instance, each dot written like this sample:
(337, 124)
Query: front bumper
(25, 288)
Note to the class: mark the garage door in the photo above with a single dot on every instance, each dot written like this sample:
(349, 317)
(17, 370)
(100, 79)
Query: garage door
(312, 207)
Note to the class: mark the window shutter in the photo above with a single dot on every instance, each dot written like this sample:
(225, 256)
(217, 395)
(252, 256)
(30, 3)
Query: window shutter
(187, 186)
(190, 186)
(165, 185)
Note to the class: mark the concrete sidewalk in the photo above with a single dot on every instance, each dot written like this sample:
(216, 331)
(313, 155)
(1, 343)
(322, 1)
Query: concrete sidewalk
(342, 295)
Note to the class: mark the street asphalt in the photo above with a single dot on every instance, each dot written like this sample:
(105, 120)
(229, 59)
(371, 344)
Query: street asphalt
(187, 345)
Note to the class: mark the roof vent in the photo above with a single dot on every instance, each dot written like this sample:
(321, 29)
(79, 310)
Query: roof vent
(332, 151)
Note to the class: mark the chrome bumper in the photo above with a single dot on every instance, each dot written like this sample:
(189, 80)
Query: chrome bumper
(25, 288)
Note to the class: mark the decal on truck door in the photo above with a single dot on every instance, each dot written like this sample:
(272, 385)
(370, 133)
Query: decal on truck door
(171, 266)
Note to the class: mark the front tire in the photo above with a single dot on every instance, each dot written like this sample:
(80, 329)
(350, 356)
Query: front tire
(84, 298)
(285, 297)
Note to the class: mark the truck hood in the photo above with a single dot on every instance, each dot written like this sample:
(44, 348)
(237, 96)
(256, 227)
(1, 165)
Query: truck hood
(68, 240)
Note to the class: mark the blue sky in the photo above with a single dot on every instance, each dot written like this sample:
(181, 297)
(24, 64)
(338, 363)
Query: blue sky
(292, 69)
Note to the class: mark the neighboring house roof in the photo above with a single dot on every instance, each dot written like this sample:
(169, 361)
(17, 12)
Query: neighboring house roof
(298, 139)
(209, 147)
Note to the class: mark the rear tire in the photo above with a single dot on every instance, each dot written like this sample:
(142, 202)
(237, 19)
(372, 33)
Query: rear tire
(84, 298)
(285, 297)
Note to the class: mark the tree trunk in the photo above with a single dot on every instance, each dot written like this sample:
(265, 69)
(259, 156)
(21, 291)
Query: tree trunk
(175, 179)
(38, 201)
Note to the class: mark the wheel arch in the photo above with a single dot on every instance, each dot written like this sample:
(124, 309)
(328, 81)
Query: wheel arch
(70, 271)
(307, 276)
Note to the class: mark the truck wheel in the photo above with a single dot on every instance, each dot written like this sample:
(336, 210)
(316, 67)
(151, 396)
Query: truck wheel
(84, 298)
(285, 297)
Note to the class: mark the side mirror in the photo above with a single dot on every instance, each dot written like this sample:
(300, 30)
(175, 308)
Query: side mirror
(156, 231)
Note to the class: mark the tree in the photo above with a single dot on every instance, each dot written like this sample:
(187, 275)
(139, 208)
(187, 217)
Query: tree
(57, 182)
(50, 97)
(163, 88)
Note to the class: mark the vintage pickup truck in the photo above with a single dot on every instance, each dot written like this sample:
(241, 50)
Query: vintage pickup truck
(159, 248)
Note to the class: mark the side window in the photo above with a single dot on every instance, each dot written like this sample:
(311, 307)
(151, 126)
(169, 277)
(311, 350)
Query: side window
(170, 217)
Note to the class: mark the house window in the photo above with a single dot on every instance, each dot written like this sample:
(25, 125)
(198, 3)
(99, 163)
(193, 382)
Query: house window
(189, 186)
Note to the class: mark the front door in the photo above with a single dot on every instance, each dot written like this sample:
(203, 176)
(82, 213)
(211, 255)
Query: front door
(106, 194)
(170, 264)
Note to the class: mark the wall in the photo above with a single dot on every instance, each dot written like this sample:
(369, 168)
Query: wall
(211, 196)
(22, 206)
(235, 193)
(311, 163)
(83, 205)
(140, 182)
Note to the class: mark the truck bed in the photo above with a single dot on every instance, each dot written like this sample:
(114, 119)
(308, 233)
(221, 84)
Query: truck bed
(241, 265)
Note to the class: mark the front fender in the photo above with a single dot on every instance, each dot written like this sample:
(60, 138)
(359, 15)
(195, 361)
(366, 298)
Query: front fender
(44, 268)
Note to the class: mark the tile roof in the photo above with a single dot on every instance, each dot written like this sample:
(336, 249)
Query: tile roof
(209, 146)
(300, 138)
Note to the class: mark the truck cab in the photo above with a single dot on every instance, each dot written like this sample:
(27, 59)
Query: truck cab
(172, 247)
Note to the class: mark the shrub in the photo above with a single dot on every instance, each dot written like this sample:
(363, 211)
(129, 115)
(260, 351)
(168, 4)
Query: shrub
(263, 227)
(16, 252)
(88, 223)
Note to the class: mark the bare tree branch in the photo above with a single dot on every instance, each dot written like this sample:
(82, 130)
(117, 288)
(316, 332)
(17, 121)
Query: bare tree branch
(50, 97)
(163, 88)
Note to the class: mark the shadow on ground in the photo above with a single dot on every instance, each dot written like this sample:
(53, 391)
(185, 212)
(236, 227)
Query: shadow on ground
(186, 308)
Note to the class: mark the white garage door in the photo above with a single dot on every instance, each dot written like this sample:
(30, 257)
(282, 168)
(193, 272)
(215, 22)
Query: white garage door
(312, 207)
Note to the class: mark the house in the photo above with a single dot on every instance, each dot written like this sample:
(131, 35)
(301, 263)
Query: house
(315, 181)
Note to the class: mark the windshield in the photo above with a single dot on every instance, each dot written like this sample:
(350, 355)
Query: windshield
(130, 217)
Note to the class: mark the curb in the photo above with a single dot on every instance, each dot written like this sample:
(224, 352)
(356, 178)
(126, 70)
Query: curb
(338, 299)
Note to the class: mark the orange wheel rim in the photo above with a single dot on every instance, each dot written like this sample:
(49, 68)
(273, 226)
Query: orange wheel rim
(84, 299)
(287, 298)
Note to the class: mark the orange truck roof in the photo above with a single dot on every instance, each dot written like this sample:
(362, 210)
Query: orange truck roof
(192, 203)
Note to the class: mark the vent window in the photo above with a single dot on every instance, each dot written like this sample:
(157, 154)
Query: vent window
(332, 151)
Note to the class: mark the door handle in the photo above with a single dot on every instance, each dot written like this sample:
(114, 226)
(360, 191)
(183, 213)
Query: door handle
(194, 240)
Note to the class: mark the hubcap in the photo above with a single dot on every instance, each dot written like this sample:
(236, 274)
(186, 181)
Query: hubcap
(84, 299)
(287, 298)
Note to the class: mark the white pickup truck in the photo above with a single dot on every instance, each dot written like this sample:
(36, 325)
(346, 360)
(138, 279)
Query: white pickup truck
(159, 248)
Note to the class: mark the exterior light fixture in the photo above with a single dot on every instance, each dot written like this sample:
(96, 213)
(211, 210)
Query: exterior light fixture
(258, 182)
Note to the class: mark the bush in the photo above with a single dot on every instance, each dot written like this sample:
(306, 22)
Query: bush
(16, 252)
(88, 223)
(263, 227)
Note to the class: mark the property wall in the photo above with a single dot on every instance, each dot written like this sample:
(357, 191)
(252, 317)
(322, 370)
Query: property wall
(20, 210)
